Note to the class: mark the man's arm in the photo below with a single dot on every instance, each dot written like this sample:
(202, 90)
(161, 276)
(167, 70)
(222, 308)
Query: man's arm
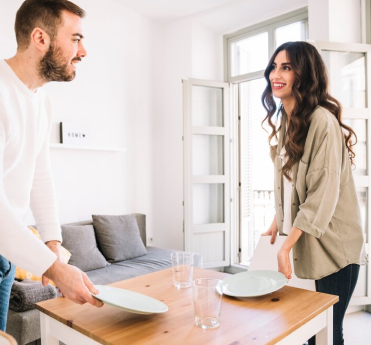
(43, 201)
(55, 247)
(18, 244)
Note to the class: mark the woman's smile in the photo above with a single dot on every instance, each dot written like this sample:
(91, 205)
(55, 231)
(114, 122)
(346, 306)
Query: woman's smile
(278, 85)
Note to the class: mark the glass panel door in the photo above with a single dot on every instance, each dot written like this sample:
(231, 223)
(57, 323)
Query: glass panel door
(360, 149)
(208, 203)
(207, 106)
(208, 154)
(347, 75)
(206, 171)
(349, 78)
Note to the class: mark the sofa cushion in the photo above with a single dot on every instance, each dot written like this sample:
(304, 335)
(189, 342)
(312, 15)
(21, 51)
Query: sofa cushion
(157, 259)
(118, 237)
(80, 241)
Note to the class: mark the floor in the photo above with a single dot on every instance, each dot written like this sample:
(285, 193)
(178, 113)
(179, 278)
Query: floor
(357, 328)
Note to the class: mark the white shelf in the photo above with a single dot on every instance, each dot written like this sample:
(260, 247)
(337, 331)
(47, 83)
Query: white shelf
(71, 147)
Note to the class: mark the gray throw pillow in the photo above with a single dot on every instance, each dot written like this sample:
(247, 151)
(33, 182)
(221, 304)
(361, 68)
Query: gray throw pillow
(118, 237)
(80, 241)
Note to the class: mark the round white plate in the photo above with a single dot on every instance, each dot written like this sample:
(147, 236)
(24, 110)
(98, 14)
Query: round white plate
(130, 301)
(253, 283)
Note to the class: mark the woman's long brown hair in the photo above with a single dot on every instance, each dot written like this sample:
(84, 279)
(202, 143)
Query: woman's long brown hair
(310, 90)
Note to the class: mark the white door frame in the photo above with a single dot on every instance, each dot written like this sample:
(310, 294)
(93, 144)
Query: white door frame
(191, 230)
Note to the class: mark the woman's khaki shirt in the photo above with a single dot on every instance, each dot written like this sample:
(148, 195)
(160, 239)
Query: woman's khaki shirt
(324, 202)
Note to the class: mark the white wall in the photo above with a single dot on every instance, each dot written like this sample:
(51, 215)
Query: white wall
(345, 21)
(168, 131)
(207, 53)
(335, 20)
(113, 92)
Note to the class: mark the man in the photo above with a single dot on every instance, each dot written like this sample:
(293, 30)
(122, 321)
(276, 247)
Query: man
(49, 37)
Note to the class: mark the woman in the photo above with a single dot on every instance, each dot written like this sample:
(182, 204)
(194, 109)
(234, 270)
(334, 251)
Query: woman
(315, 195)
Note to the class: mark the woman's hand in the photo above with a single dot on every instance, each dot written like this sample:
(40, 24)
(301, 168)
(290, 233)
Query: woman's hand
(284, 265)
(272, 231)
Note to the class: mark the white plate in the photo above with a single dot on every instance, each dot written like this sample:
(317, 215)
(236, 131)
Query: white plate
(130, 301)
(253, 283)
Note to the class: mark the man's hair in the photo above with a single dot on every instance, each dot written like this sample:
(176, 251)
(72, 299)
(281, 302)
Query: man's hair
(45, 14)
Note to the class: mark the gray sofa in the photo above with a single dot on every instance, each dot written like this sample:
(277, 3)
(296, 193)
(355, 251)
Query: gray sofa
(25, 326)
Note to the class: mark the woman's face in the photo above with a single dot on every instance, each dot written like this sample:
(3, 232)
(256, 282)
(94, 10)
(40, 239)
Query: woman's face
(282, 78)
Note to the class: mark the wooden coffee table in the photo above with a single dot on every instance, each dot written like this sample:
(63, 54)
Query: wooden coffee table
(288, 316)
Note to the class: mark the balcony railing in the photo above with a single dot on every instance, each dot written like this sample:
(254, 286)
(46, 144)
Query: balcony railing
(263, 213)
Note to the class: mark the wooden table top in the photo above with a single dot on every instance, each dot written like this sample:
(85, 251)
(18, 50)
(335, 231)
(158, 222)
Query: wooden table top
(260, 320)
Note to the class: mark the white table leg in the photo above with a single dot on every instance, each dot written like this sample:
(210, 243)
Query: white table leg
(321, 326)
(325, 336)
(46, 337)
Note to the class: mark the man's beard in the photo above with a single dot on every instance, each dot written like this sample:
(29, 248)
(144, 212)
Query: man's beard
(53, 67)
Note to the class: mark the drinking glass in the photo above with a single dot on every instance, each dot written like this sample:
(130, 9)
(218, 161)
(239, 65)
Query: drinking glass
(182, 266)
(207, 301)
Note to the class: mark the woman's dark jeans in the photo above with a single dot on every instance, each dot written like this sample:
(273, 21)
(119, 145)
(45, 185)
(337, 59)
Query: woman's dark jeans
(7, 273)
(342, 284)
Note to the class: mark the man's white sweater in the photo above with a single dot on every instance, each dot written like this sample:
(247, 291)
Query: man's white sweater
(25, 174)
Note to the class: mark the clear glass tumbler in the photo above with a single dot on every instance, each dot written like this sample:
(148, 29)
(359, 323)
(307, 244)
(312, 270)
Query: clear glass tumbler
(207, 301)
(182, 266)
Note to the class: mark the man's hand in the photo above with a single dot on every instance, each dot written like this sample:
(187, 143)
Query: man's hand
(73, 283)
(55, 247)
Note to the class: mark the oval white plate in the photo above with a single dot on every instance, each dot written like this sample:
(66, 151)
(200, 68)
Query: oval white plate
(130, 301)
(253, 283)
